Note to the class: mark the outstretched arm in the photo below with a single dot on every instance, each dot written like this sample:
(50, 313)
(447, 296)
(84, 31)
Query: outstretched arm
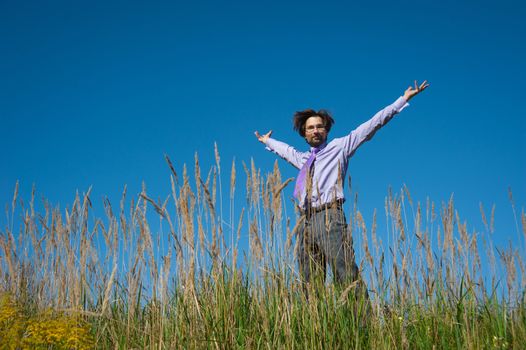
(290, 154)
(367, 130)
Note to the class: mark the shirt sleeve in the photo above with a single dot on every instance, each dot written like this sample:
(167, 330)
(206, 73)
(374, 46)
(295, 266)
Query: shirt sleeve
(366, 131)
(289, 153)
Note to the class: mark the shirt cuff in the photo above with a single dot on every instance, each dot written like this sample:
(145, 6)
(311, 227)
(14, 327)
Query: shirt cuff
(268, 144)
(400, 104)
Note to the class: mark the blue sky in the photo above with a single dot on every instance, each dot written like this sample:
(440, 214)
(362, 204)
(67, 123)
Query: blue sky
(95, 93)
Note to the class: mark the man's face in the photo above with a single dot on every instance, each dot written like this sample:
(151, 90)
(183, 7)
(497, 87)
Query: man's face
(315, 132)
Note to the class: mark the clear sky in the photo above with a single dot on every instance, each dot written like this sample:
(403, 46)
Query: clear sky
(93, 93)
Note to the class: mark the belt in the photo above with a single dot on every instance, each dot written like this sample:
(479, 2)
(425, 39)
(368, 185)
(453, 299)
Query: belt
(337, 204)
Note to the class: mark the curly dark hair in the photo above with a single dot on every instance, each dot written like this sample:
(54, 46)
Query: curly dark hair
(301, 117)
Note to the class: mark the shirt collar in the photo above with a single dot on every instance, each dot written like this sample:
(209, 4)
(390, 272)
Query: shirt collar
(319, 148)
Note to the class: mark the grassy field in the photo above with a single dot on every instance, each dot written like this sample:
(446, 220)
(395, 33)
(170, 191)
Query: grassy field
(171, 274)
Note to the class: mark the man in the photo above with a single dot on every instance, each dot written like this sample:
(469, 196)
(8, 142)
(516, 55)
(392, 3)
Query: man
(323, 236)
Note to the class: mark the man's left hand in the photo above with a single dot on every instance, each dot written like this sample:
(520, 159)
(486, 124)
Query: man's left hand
(413, 91)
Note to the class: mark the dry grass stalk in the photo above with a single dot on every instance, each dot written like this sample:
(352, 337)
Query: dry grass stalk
(522, 266)
(373, 234)
(406, 275)
(172, 169)
(277, 206)
(395, 210)
(238, 236)
(167, 263)
(13, 205)
(109, 288)
(266, 191)
(429, 253)
(198, 180)
(477, 263)
(122, 215)
(492, 220)
(157, 206)
(209, 201)
(185, 206)
(201, 234)
(289, 234)
(248, 184)
(256, 249)
(173, 233)
(483, 215)
(360, 222)
(9, 258)
(255, 182)
(146, 236)
(233, 245)
(278, 190)
(233, 179)
(217, 158)
(216, 228)
(30, 227)
(408, 194)
(448, 226)
(418, 224)
(220, 226)
(507, 257)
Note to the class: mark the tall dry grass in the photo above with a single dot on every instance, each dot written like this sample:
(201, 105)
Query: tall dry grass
(174, 274)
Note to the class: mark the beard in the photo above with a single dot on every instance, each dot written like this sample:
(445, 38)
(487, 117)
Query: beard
(315, 141)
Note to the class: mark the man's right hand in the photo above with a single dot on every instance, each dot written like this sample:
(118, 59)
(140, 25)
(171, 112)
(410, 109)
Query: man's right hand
(263, 138)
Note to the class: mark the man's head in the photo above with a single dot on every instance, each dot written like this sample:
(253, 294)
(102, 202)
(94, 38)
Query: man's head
(313, 126)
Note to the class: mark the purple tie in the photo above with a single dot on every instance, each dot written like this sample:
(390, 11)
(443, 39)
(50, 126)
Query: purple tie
(300, 181)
